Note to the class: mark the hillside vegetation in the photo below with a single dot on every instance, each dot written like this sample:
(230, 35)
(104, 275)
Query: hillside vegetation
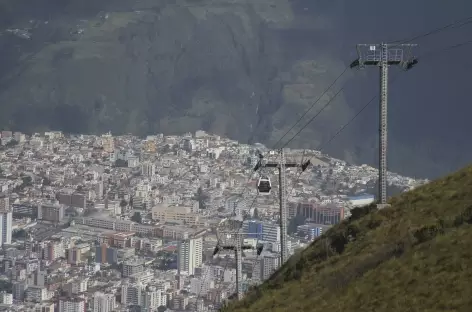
(413, 256)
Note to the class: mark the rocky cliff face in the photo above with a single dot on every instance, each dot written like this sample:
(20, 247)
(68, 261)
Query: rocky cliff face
(228, 67)
(245, 69)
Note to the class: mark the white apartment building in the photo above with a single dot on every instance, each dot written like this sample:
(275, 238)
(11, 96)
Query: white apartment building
(36, 294)
(132, 267)
(103, 302)
(269, 264)
(165, 213)
(152, 298)
(131, 294)
(5, 227)
(201, 286)
(72, 305)
(4, 204)
(190, 252)
(6, 298)
(148, 169)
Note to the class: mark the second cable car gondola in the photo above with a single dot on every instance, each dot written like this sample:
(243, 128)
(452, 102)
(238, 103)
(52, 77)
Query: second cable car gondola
(264, 186)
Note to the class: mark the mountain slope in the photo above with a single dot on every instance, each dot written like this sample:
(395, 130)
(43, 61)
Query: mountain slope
(239, 68)
(413, 256)
(231, 67)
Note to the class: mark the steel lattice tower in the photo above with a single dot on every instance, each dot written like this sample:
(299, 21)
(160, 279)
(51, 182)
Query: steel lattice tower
(283, 208)
(282, 165)
(230, 238)
(383, 55)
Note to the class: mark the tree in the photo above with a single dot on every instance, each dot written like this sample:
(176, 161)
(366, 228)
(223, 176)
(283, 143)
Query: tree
(166, 149)
(123, 203)
(11, 143)
(137, 217)
(27, 181)
(6, 286)
(19, 233)
(256, 214)
(201, 197)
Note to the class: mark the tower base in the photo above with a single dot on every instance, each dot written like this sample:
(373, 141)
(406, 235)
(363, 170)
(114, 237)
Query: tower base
(381, 206)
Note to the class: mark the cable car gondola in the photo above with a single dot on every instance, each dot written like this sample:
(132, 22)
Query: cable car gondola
(264, 186)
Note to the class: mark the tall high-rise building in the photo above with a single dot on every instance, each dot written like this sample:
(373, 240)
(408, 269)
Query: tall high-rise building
(99, 189)
(5, 227)
(269, 264)
(74, 256)
(103, 302)
(51, 212)
(148, 169)
(131, 293)
(190, 252)
(106, 254)
(38, 278)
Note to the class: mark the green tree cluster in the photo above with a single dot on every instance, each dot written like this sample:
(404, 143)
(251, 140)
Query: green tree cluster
(137, 217)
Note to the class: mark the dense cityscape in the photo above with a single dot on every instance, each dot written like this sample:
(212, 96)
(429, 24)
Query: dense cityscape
(122, 223)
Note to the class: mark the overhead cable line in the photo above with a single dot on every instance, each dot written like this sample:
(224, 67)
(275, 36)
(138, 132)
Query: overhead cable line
(332, 138)
(359, 112)
(313, 105)
(453, 25)
(435, 31)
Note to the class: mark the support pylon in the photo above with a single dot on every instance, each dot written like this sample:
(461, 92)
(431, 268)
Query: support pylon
(238, 248)
(282, 165)
(383, 55)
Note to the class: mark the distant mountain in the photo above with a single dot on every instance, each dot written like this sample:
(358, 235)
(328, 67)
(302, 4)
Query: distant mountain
(230, 67)
(245, 69)
(417, 248)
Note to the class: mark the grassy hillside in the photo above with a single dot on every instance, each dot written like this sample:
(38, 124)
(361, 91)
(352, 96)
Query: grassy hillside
(413, 256)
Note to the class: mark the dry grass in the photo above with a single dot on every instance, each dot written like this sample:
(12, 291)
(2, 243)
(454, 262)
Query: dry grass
(413, 256)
